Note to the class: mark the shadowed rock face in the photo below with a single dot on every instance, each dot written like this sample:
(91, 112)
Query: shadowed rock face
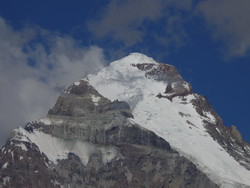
(123, 153)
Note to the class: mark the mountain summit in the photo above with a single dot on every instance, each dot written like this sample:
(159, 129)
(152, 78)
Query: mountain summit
(136, 123)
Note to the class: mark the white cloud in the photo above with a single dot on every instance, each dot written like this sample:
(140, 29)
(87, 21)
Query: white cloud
(229, 20)
(27, 92)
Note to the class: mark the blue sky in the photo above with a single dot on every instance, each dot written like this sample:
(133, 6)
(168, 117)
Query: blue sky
(46, 45)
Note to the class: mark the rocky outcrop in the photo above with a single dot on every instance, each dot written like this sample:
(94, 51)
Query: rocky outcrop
(163, 72)
(24, 168)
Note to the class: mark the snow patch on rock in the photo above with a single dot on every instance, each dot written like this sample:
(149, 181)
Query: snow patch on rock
(45, 121)
(95, 99)
(21, 145)
(77, 83)
(108, 154)
(5, 180)
(5, 165)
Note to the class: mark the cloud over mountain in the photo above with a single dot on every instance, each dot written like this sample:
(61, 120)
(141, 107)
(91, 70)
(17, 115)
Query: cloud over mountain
(36, 65)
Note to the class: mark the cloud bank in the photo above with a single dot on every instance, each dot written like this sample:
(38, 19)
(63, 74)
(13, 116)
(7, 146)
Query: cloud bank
(35, 66)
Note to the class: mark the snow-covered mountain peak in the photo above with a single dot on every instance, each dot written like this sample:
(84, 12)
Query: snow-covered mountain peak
(136, 76)
(136, 58)
(140, 61)
(163, 102)
(132, 118)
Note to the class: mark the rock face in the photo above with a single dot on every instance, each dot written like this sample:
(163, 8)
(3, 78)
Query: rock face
(108, 130)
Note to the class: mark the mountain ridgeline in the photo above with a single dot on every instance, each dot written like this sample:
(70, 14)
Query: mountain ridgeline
(136, 123)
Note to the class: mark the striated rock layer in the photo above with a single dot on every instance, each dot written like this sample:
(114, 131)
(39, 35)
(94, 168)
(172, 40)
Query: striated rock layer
(136, 123)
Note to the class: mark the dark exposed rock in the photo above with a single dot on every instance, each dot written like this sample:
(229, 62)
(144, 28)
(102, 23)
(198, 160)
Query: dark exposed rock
(82, 88)
(24, 169)
(176, 86)
(127, 114)
(159, 72)
(78, 102)
(236, 134)
(116, 105)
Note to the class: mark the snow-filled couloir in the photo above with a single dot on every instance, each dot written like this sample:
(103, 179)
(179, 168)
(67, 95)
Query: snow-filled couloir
(163, 103)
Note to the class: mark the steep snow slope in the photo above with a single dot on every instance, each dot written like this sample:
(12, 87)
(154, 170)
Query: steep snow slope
(175, 119)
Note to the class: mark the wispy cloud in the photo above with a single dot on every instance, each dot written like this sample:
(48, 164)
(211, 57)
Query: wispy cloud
(230, 23)
(35, 65)
(133, 23)
(129, 21)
